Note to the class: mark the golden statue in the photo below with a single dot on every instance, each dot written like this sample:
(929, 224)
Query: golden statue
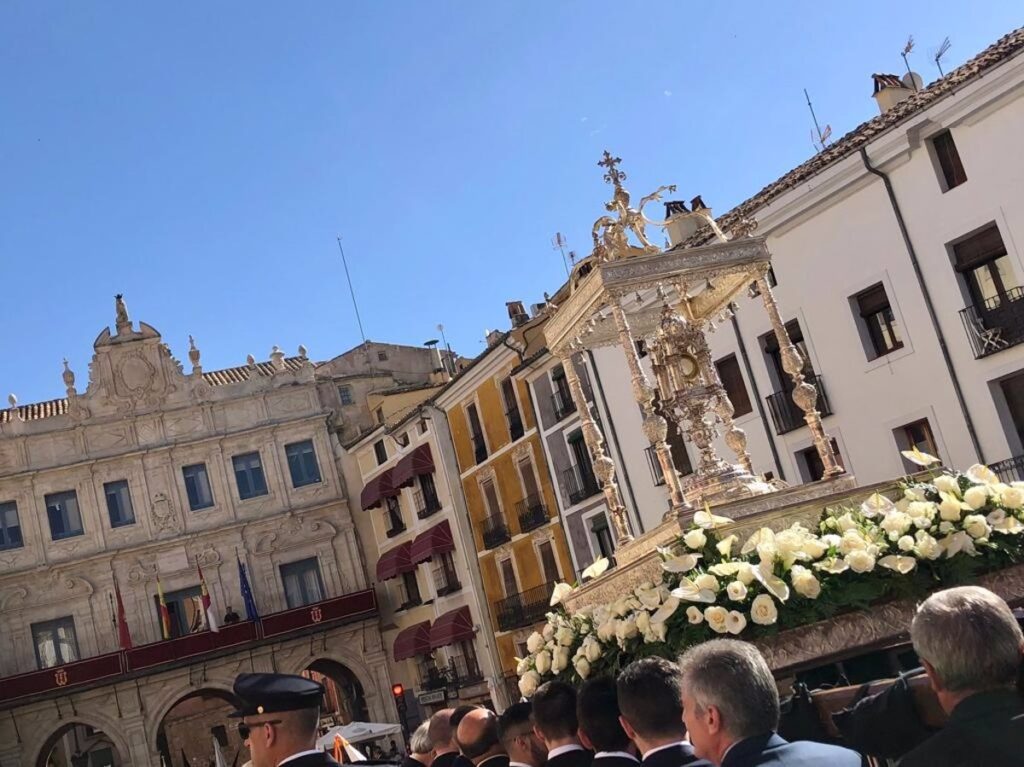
(611, 234)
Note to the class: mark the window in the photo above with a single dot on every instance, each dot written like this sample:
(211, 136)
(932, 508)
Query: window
(345, 395)
(380, 452)
(641, 347)
(393, 509)
(382, 356)
(463, 658)
(185, 608)
(379, 415)
(879, 321)
(476, 433)
(732, 379)
(949, 160)
(508, 576)
(55, 642)
(987, 269)
(411, 589)
(811, 467)
(119, 503)
(10, 526)
(302, 463)
(548, 562)
(428, 496)
(916, 434)
(422, 426)
(63, 514)
(512, 415)
(249, 476)
(601, 537)
(561, 397)
(446, 580)
(197, 486)
(490, 495)
(302, 582)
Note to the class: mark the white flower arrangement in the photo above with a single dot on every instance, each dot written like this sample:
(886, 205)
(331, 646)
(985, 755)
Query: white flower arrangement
(716, 584)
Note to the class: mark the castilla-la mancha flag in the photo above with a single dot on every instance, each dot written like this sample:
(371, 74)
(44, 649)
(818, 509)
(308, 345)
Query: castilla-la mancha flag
(208, 614)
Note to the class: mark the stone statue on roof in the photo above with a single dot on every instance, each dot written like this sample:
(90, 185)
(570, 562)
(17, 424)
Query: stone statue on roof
(611, 233)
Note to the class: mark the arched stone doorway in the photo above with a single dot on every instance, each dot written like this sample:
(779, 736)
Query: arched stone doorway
(186, 734)
(345, 699)
(76, 744)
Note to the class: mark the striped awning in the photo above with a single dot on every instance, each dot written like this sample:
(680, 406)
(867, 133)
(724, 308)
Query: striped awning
(377, 488)
(394, 562)
(454, 626)
(436, 540)
(413, 641)
(419, 461)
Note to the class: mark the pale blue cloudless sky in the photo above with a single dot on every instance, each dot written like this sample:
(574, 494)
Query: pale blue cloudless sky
(202, 157)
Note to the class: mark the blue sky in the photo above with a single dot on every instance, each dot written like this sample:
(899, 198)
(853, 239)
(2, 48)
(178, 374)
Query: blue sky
(202, 157)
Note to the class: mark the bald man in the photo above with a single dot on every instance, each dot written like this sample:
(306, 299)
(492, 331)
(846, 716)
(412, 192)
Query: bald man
(478, 740)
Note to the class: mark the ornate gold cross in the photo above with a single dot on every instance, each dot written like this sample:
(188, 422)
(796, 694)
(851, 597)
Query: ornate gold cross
(613, 175)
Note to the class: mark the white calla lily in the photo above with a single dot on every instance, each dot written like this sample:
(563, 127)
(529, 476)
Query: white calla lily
(897, 563)
(688, 592)
(709, 521)
(598, 566)
(833, 566)
(681, 563)
(665, 611)
(772, 583)
(875, 505)
(725, 545)
(762, 537)
(915, 456)
(981, 475)
(560, 592)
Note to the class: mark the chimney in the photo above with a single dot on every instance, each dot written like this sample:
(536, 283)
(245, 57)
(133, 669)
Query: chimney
(517, 313)
(890, 90)
(492, 336)
(681, 222)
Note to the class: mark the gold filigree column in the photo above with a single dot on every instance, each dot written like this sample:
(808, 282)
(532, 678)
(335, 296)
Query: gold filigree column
(804, 394)
(655, 426)
(604, 466)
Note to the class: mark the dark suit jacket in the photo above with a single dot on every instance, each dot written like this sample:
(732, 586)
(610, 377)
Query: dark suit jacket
(614, 761)
(677, 755)
(501, 760)
(770, 749)
(578, 757)
(313, 760)
(985, 729)
(451, 759)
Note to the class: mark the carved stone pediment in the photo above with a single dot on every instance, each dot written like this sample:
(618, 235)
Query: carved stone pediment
(55, 586)
(294, 530)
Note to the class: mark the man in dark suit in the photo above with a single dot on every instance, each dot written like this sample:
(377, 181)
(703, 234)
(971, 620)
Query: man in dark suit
(477, 735)
(554, 721)
(731, 710)
(972, 649)
(650, 702)
(442, 729)
(421, 753)
(597, 710)
(280, 716)
(515, 731)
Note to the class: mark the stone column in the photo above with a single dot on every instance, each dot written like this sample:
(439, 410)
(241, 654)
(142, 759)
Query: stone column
(655, 426)
(604, 466)
(804, 394)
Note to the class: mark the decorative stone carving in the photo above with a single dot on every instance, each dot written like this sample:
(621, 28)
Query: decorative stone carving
(294, 530)
(521, 451)
(141, 572)
(164, 516)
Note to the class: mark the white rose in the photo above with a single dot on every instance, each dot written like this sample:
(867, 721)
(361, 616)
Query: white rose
(737, 591)
(528, 683)
(658, 633)
(619, 608)
(918, 509)
(694, 615)
(1012, 498)
(896, 523)
(976, 496)
(706, 581)
(996, 517)
(815, 548)
(643, 621)
(565, 636)
(695, 539)
(548, 632)
(535, 643)
(946, 527)
(927, 546)
(852, 541)
(649, 598)
(735, 622)
(716, 617)
(543, 662)
(906, 543)
(846, 522)
(626, 630)
(763, 611)
(860, 561)
(522, 666)
(913, 494)
(560, 661)
(606, 631)
(582, 666)
(947, 484)
(591, 649)
(804, 582)
(976, 526)
(950, 508)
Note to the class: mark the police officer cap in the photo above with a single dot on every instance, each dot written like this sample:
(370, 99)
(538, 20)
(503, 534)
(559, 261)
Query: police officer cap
(270, 693)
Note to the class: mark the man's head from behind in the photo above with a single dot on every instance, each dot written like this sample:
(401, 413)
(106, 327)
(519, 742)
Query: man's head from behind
(554, 714)
(419, 744)
(477, 734)
(650, 701)
(597, 711)
(441, 733)
(515, 731)
(969, 642)
(280, 715)
(728, 694)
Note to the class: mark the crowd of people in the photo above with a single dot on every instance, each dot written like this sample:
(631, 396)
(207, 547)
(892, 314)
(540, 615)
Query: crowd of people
(718, 705)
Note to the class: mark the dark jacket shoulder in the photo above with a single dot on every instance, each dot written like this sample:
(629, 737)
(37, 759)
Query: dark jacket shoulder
(614, 761)
(987, 728)
(674, 756)
(501, 760)
(577, 757)
(446, 760)
(313, 760)
(770, 749)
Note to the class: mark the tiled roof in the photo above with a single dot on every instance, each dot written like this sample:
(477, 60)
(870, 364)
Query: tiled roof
(1003, 49)
(37, 410)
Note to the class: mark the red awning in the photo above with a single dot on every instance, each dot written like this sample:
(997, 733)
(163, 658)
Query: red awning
(379, 487)
(419, 461)
(413, 641)
(453, 626)
(436, 540)
(394, 562)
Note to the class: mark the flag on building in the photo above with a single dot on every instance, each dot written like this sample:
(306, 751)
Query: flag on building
(165, 616)
(251, 613)
(208, 615)
(123, 634)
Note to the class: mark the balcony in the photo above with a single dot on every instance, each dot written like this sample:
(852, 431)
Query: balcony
(579, 484)
(426, 505)
(1009, 469)
(655, 465)
(515, 423)
(532, 513)
(996, 324)
(562, 403)
(394, 519)
(190, 648)
(460, 672)
(495, 531)
(524, 608)
(511, 684)
(479, 448)
(785, 413)
(446, 581)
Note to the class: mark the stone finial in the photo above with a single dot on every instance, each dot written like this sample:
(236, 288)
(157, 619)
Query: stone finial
(302, 351)
(277, 359)
(12, 400)
(124, 325)
(69, 377)
(250, 360)
(193, 355)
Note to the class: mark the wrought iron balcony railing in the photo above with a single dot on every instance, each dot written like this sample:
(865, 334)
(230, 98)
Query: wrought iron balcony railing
(495, 531)
(446, 581)
(524, 608)
(1009, 469)
(459, 672)
(995, 324)
(532, 513)
(579, 484)
(562, 404)
(786, 415)
(426, 505)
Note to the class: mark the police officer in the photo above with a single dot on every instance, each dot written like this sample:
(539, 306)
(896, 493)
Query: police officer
(280, 716)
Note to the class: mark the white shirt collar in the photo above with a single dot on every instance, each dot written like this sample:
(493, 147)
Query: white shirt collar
(662, 748)
(299, 755)
(615, 754)
(564, 750)
(485, 761)
(517, 764)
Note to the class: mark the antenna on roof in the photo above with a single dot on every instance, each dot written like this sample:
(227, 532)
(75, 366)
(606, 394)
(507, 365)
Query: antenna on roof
(558, 242)
(355, 306)
(943, 50)
(904, 53)
(823, 135)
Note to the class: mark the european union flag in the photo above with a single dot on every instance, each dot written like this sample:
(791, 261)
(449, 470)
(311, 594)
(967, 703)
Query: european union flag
(251, 613)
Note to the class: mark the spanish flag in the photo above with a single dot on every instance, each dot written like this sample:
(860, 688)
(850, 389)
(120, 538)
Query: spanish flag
(165, 616)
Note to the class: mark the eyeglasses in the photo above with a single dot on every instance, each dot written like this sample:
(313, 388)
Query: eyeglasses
(245, 729)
